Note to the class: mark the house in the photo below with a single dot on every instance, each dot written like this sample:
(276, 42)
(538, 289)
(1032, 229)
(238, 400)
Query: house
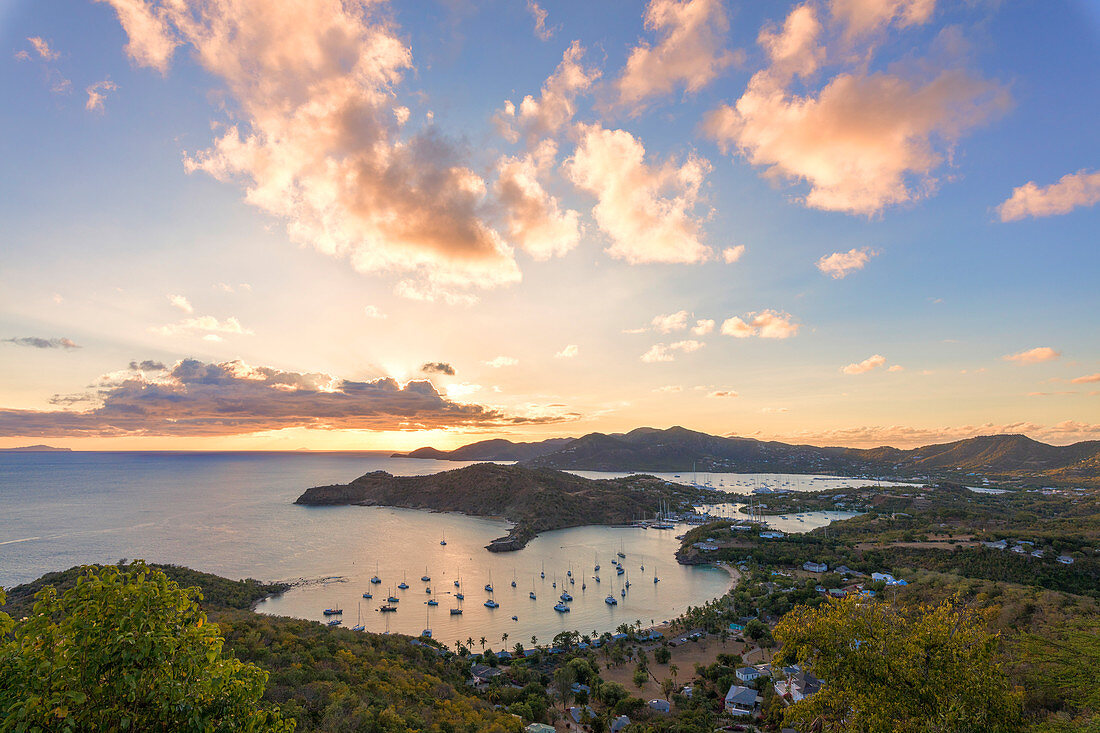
(884, 577)
(1065, 559)
(747, 674)
(998, 545)
(772, 535)
(837, 592)
(814, 567)
(619, 723)
(504, 655)
(737, 627)
(797, 686)
(687, 691)
(740, 700)
(659, 706)
(482, 673)
(845, 570)
(1036, 553)
(581, 716)
(539, 728)
(578, 687)
(1019, 550)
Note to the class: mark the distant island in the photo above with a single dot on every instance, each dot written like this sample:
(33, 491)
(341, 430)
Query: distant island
(1008, 459)
(536, 499)
(36, 449)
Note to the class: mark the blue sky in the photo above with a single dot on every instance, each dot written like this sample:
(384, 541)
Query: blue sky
(330, 278)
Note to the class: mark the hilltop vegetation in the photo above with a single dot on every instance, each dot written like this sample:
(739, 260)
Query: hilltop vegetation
(1013, 459)
(536, 499)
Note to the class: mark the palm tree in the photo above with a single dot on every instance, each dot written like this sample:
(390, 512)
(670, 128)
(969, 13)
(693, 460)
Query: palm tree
(483, 640)
(504, 638)
(534, 640)
(469, 642)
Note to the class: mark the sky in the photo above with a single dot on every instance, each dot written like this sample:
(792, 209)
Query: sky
(352, 224)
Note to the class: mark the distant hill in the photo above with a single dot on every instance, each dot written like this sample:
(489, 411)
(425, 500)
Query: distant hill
(36, 449)
(491, 450)
(536, 499)
(1004, 457)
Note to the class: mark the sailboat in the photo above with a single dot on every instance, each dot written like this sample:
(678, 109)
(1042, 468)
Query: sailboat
(611, 600)
(425, 577)
(376, 580)
(561, 608)
(368, 595)
(403, 585)
(359, 619)
(543, 573)
(531, 595)
(489, 585)
(620, 553)
(513, 577)
(597, 559)
(427, 632)
(443, 539)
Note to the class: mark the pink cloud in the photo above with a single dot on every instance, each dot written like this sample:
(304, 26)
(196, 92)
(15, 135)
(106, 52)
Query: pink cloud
(767, 324)
(543, 31)
(1070, 192)
(904, 436)
(670, 322)
(556, 104)
(647, 210)
(689, 51)
(313, 138)
(839, 264)
(97, 94)
(862, 141)
(1088, 379)
(1034, 356)
(732, 254)
(869, 364)
(534, 219)
(42, 48)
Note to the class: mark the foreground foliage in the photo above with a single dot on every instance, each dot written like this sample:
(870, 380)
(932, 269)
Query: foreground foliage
(932, 668)
(126, 649)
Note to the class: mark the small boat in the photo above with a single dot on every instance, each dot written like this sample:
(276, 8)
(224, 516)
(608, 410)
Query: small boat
(456, 611)
(623, 592)
(376, 580)
(513, 578)
(619, 570)
(561, 608)
(335, 622)
(656, 579)
(359, 619)
(403, 585)
(433, 602)
(566, 597)
(458, 579)
(583, 586)
(643, 568)
(515, 618)
(543, 573)
(627, 584)
(491, 604)
(597, 578)
(443, 539)
(460, 596)
(620, 553)
(426, 633)
(569, 572)
(333, 611)
(531, 595)
(555, 584)
(368, 595)
(425, 577)
(388, 608)
(456, 584)
(489, 585)
(428, 589)
(392, 598)
(610, 600)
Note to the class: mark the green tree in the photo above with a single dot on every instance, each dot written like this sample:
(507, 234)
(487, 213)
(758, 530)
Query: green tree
(897, 670)
(641, 676)
(126, 649)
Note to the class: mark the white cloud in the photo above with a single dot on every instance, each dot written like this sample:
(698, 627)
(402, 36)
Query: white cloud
(373, 311)
(1034, 356)
(689, 51)
(839, 264)
(669, 389)
(181, 302)
(723, 393)
(462, 390)
(768, 324)
(502, 361)
(1071, 191)
(568, 352)
(703, 327)
(732, 254)
(671, 322)
(312, 138)
(870, 363)
(206, 325)
(646, 210)
(687, 346)
(97, 94)
(533, 218)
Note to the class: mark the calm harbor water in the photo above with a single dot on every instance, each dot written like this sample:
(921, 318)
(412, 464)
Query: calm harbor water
(233, 514)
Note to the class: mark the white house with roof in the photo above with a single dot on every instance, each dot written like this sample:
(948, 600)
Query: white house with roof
(659, 706)
(619, 723)
(814, 567)
(748, 674)
(797, 685)
(1065, 559)
(740, 700)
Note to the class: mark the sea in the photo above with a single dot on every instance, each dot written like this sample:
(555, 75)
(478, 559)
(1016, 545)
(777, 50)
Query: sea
(233, 514)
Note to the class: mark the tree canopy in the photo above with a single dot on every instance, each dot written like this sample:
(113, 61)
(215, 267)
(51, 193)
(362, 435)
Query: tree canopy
(126, 649)
(897, 670)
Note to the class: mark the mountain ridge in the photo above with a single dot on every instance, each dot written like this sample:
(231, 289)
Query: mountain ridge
(1007, 457)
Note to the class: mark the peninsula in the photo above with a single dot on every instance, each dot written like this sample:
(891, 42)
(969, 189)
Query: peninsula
(535, 499)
